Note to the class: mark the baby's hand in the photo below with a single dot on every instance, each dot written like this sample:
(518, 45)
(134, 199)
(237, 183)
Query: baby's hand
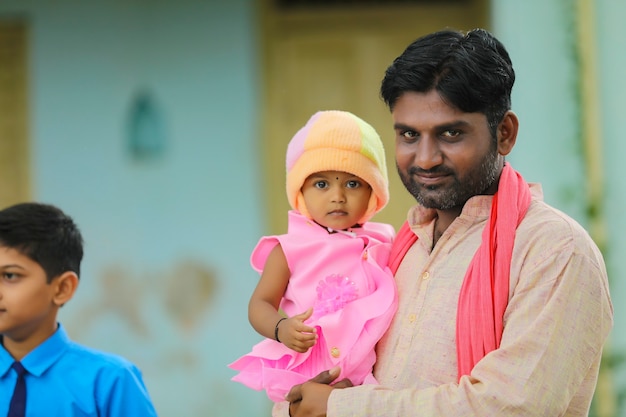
(296, 335)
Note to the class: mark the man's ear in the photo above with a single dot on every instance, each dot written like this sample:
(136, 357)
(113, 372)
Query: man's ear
(507, 133)
(64, 287)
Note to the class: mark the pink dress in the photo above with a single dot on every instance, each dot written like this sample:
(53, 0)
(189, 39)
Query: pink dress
(344, 276)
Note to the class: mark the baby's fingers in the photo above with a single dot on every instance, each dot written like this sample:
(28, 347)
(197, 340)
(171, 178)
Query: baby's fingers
(304, 329)
(305, 315)
(303, 341)
(308, 336)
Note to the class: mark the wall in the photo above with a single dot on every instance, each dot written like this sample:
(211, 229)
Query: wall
(166, 277)
(542, 38)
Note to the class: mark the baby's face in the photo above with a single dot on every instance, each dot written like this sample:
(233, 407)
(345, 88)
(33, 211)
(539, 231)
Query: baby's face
(336, 199)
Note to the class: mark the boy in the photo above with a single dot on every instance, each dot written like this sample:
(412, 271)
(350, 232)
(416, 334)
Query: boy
(42, 372)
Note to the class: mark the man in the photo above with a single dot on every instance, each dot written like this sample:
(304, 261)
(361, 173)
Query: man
(504, 304)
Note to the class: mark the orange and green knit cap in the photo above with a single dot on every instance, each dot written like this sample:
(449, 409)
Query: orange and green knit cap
(335, 140)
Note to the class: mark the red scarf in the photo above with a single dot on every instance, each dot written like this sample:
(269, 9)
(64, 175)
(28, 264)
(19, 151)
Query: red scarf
(485, 291)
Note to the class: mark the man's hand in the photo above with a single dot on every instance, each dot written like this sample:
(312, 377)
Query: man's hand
(311, 398)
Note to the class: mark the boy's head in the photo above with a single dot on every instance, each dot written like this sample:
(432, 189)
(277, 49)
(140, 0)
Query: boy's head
(40, 254)
(44, 234)
(336, 140)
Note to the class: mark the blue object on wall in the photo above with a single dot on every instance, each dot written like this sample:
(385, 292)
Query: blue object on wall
(146, 128)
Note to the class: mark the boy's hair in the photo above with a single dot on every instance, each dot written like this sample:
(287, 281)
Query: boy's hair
(45, 234)
(471, 72)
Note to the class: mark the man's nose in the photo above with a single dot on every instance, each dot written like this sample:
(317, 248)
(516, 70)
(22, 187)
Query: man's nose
(428, 154)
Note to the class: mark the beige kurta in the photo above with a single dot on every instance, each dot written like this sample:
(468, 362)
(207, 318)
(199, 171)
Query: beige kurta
(557, 320)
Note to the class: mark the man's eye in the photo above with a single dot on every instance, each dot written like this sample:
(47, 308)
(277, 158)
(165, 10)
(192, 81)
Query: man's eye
(451, 133)
(9, 276)
(409, 135)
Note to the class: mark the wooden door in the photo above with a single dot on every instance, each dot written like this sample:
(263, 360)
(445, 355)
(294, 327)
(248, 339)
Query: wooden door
(14, 149)
(332, 55)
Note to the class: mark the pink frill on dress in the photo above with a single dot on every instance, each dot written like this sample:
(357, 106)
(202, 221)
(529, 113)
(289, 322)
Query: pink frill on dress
(346, 278)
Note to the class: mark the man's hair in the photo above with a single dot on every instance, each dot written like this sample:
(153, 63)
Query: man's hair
(471, 72)
(45, 234)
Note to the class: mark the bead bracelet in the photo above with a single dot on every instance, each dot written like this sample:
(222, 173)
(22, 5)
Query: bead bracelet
(276, 329)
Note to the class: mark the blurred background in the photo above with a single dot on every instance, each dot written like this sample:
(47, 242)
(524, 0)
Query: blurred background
(161, 127)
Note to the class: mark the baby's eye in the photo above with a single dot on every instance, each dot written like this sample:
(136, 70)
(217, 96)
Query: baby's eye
(353, 184)
(320, 184)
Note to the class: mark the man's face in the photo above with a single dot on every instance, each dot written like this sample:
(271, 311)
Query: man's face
(444, 156)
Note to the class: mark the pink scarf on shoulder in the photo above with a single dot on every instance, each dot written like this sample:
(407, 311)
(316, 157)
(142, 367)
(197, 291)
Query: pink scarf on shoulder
(485, 291)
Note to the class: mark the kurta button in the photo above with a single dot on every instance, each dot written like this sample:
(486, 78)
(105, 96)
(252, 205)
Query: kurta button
(365, 255)
(335, 352)
(412, 318)
(426, 275)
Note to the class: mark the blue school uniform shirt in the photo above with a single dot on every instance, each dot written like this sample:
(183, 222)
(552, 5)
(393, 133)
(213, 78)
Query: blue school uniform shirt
(66, 379)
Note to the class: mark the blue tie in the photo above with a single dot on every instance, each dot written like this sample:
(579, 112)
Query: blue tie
(18, 401)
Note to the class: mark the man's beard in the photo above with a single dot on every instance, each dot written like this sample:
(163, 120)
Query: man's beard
(475, 182)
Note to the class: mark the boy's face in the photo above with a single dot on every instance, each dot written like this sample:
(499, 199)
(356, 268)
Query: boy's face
(27, 305)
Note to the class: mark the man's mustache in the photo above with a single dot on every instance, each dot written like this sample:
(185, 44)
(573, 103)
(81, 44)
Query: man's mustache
(439, 170)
